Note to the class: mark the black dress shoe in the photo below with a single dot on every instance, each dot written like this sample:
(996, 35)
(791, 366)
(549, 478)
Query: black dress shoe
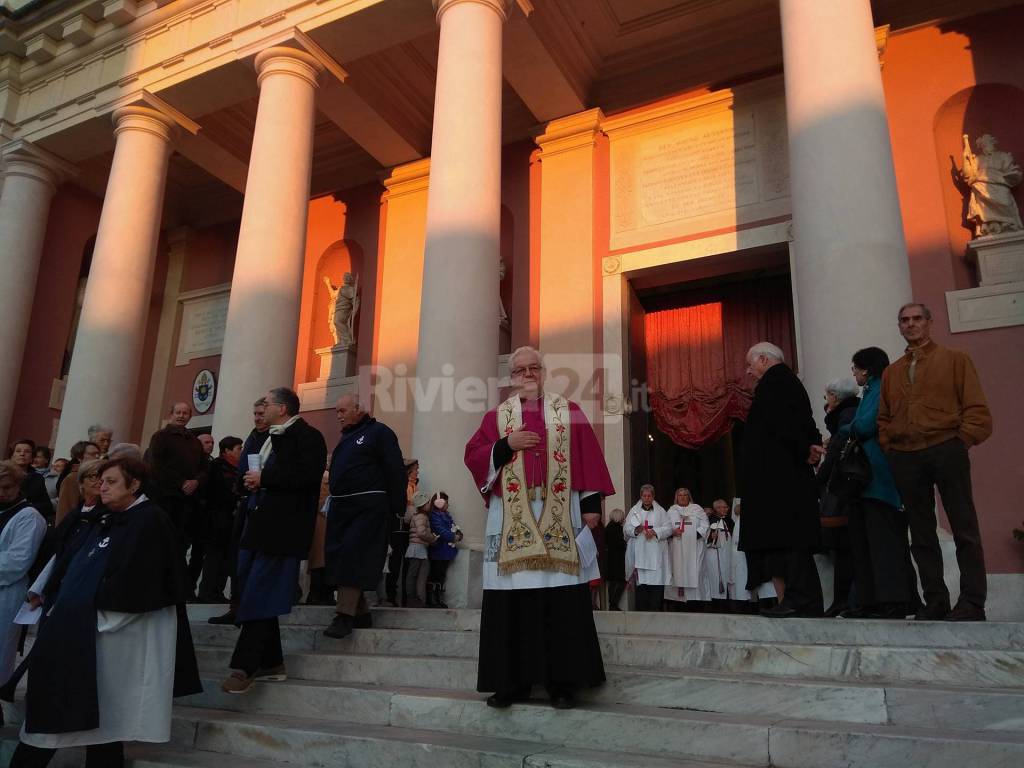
(932, 612)
(224, 618)
(834, 611)
(779, 612)
(891, 611)
(341, 626)
(966, 612)
(363, 621)
(563, 700)
(855, 613)
(504, 699)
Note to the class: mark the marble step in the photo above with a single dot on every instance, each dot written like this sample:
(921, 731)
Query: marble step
(467, 732)
(310, 741)
(991, 635)
(945, 666)
(903, 706)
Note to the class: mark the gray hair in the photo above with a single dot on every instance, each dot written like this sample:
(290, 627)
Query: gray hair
(125, 450)
(99, 429)
(616, 515)
(924, 309)
(92, 466)
(523, 350)
(843, 387)
(646, 487)
(767, 349)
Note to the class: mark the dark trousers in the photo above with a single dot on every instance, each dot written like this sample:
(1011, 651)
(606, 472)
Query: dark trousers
(649, 597)
(615, 590)
(216, 564)
(96, 756)
(917, 473)
(803, 585)
(258, 646)
(438, 572)
(836, 541)
(881, 554)
(399, 543)
(195, 540)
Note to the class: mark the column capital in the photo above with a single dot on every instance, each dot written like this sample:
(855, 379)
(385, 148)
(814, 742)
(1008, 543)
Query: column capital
(135, 118)
(282, 60)
(22, 158)
(500, 7)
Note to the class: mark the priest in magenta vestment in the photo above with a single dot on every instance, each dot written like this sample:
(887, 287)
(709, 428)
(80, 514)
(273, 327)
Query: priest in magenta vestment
(537, 462)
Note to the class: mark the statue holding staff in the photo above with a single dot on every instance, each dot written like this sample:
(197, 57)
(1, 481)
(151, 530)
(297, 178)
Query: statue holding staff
(342, 309)
(991, 177)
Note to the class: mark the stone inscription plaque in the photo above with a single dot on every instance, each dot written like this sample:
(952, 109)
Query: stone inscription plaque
(718, 170)
(203, 321)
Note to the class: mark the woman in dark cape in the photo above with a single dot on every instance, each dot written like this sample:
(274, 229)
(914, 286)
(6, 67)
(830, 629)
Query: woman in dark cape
(114, 645)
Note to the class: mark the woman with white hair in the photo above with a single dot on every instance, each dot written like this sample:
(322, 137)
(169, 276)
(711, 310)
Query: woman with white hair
(841, 403)
(686, 548)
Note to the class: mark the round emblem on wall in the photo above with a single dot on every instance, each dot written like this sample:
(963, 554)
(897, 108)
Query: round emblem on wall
(204, 390)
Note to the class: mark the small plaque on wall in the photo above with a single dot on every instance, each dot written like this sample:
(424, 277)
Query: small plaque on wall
(204, 390)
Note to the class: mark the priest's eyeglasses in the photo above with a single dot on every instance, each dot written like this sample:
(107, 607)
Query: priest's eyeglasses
(534, 369)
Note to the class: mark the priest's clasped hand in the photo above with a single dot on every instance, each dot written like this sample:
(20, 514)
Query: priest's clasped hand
(523, 439)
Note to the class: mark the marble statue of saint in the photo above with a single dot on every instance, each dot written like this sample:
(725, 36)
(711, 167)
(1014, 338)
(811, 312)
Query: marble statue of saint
(991, 176)
(502, 314)
(342, 309)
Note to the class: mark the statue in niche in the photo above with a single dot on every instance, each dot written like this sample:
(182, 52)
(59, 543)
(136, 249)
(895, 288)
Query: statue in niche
(342, 309)
(990, 177)
(503, 320)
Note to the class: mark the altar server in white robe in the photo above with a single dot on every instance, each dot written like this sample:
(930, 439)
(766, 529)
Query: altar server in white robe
(718, 551)
(686, 549)
(745, 600)
(647, 530)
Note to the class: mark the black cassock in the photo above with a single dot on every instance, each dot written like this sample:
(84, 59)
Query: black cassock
(367, 484)
(113, 561)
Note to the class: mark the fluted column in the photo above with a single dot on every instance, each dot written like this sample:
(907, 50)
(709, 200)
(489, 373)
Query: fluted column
(850, 259)
(266, 287)
(104, 371)
(458, 338)
(31, 176)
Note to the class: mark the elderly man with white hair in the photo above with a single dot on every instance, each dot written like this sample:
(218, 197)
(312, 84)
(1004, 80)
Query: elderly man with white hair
(103, 436)
(648, 528)
(538, 465)
(781, 447)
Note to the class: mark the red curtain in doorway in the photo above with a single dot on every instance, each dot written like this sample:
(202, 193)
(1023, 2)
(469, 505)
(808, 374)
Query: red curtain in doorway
(696, 366)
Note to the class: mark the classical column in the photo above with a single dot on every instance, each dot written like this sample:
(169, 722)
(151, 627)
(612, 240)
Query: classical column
(266, 287)
(104, 371)
(458, 338)
(849, 256)
(31, 176)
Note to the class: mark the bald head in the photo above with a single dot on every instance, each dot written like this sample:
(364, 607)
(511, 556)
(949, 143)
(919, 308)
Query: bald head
(348, 410)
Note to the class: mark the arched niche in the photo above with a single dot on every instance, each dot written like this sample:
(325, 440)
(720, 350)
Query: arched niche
(994, 108)
(340, 257)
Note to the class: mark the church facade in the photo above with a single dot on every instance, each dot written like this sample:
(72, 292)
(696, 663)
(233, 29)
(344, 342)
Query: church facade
(203, 199)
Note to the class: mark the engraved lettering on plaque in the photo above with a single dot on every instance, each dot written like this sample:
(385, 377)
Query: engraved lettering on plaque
(203, 321)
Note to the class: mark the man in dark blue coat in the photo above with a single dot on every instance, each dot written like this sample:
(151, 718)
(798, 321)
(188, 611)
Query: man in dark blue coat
(367, 483)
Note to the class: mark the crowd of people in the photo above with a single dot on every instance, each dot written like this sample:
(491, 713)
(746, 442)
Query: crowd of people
(104, 548)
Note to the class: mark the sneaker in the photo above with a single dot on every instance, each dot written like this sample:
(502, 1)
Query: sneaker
(966, 612)
(341, 626)
(224, 618)
(276, 674)
(238, 682)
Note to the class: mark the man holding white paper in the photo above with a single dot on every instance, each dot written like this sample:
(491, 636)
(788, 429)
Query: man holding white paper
(537, 462)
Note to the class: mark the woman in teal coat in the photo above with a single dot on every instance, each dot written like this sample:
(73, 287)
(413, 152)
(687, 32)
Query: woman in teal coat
(885, 585)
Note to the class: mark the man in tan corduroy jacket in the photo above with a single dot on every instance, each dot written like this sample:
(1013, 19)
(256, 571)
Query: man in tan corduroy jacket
(931, 411)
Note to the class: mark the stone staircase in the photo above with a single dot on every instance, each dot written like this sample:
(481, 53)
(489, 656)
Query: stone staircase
(689, 690)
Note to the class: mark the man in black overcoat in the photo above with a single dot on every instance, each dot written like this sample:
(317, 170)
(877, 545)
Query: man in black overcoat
(368, 484)
(781, 446)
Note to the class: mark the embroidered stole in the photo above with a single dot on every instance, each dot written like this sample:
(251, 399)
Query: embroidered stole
(528, 544)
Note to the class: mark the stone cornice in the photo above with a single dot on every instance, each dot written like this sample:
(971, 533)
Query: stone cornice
(406, 179)
(566, 134)
(158, 49)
